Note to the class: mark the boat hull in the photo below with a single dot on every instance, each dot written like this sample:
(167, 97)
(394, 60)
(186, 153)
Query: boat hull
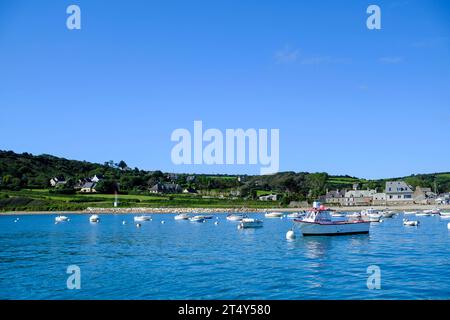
(142, 218)
(273, 215)
(333, 229)
(235, 217)
(181, 217)
(251, 223)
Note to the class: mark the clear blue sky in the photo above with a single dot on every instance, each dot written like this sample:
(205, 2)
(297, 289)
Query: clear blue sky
(347, 100)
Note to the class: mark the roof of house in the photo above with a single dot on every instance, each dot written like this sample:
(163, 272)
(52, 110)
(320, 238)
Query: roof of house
(89, 185)
(397, 187)
(159, 187)
(359, 193)
(335, 194)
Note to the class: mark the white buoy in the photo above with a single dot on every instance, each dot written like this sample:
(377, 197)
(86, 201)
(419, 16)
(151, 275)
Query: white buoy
(448, 226)
(138, 225)
(124, 222)
(162, 222)
(290, 235)
(216, 223)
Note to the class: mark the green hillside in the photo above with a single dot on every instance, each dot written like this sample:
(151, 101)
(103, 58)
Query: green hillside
(25, 185)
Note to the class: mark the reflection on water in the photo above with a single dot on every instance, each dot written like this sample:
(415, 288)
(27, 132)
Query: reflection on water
(185, 260)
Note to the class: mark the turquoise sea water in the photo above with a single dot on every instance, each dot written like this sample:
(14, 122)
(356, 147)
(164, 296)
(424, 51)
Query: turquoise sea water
(185, 260)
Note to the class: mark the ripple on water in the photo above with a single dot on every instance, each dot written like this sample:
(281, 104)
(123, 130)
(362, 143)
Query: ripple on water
(183, 260)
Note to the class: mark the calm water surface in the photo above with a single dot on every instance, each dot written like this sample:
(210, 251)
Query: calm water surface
(185, 260)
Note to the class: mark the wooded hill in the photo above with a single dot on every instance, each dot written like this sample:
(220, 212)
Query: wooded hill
(27, 171)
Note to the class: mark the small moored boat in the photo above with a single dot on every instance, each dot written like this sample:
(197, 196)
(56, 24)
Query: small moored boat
(374, 217)
(410, 212)
(338, 215)
(182, 216)
(236, 217)
(61, 219)
(142, 218)
(435, 211)
(250, 223)
(432, 211)
(371, 215)
(388, 214)
(445, 214)
(354, 215)
(424, 213)
(295, 215)
(273, 215)
(410, 223)
(94, 218)
(197, 219)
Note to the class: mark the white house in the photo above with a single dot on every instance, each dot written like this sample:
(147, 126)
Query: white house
(358, 197)
(269, 197)
(398, 192)
(88, 187)
(56, 181)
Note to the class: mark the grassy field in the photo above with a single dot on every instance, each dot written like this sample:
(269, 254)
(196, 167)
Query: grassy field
(43, 200)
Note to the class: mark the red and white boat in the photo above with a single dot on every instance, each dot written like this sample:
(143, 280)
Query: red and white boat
(319, 222)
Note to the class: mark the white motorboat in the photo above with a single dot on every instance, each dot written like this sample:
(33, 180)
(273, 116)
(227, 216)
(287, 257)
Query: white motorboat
(445, 214)
(410, 223)
(318, 222)
(250, 223)
(142, 218)
(208, 217)
(432, 211)
(410, 212)
(182, 216)
(354, 215)
(374, 217)
(61, 219)
(94, 218)
(424, 213)
(197, 219)
(236, 217)
(273, 215)
(371, 215)
(338, 215)
(388, 214)
(435, 211)
(295, 215)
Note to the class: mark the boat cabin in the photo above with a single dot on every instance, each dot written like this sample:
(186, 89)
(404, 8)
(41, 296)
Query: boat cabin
(318, 215)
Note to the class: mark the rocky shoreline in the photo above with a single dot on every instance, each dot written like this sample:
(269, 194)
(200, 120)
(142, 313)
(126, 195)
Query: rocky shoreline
(142, 210)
